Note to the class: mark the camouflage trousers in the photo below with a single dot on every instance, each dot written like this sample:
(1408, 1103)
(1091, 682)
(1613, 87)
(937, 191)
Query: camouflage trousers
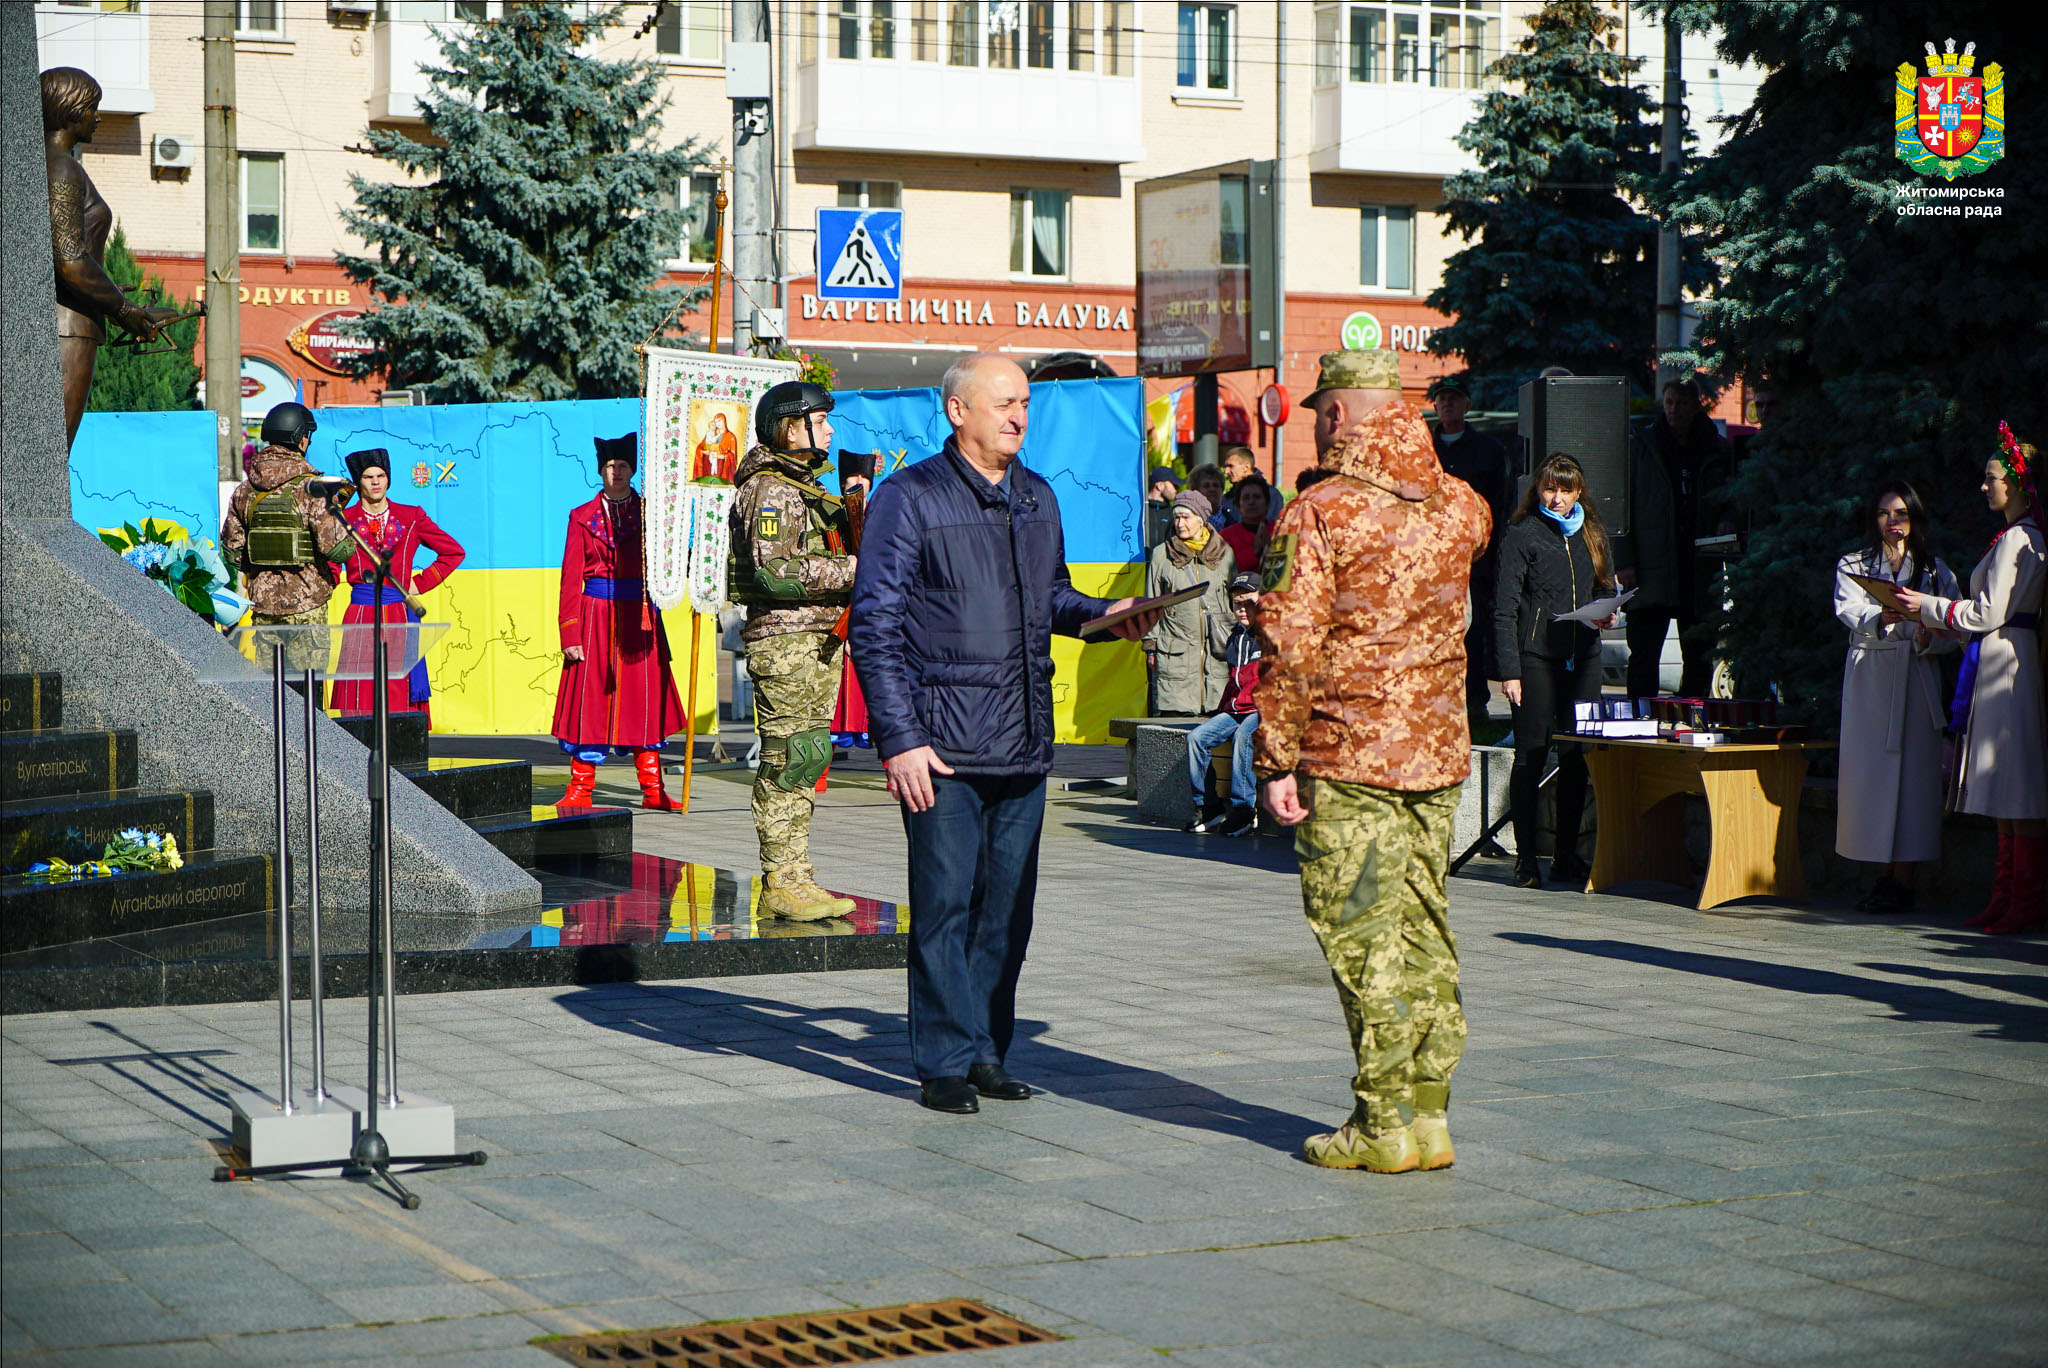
(302, 652)
(1373, 866)
(796, 681)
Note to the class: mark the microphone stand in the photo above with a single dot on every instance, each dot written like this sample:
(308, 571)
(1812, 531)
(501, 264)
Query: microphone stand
(370, 1159)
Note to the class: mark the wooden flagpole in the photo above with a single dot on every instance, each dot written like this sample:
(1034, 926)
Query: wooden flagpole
(718, 205)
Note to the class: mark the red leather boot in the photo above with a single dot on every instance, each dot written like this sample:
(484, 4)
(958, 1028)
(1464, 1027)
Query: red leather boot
(582, 778)
(2029, 909)
(2001, 886)
(653, 796)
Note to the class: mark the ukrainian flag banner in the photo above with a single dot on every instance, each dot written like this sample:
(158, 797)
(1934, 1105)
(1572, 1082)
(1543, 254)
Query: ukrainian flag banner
(502, 479)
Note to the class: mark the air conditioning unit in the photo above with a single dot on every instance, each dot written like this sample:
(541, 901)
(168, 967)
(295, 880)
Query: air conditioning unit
(173, 151)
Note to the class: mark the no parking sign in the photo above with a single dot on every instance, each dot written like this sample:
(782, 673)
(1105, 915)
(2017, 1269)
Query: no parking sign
(860, 254)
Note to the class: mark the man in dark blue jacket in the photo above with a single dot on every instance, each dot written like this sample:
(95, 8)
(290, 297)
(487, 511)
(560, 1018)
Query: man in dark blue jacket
(962, 582)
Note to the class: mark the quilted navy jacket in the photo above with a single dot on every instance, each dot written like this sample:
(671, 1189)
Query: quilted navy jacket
(960, 588)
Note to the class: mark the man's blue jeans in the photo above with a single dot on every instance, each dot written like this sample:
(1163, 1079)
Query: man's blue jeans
(1244, 788)
(973, 879)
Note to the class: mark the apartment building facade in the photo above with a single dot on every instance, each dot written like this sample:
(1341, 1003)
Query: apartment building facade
(1012, 134)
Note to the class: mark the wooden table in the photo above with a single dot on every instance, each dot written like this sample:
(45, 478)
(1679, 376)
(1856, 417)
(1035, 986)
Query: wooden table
(1752, 792)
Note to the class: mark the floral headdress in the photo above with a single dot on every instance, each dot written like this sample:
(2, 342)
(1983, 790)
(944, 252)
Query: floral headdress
(2014, 458)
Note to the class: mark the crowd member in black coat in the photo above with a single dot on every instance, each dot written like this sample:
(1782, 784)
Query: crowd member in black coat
(1482, 463)
(1554, 560)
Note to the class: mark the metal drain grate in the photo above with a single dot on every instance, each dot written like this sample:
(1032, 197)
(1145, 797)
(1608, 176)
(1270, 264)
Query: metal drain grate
(832, 1337)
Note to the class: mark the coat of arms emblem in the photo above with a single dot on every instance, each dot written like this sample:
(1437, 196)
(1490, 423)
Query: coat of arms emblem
(1949, 122)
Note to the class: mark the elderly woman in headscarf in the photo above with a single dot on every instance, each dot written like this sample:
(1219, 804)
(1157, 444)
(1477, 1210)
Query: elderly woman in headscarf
(1184, 652)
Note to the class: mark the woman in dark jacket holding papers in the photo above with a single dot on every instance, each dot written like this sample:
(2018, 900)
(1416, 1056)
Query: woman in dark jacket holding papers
(1554, 560)
(1888, 800)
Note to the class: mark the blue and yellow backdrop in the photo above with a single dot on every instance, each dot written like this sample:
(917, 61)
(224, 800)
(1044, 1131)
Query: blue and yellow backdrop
(501, 478)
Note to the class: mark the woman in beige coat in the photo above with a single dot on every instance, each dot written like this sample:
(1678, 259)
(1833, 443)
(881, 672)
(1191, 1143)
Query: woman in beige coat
(1888, 803)
(1185, 651)
(2001, 707)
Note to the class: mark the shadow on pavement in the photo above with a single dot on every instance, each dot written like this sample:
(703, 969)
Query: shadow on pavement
(719, 1023)
(1907, 1001)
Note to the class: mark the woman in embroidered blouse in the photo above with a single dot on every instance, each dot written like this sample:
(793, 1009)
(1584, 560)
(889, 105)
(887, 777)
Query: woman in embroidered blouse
(1999, 713)
(1888, 802)
(397, 531)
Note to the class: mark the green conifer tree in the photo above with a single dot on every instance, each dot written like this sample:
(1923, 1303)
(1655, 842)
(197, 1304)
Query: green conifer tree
(1895, 341)
(522, 258)
(1561, 266)
(144, 379)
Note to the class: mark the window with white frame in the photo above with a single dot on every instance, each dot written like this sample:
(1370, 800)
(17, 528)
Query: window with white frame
(869, 194)
(1038, 232)
(1002, 35)
(1386, 247)
(259, 18)
(691, 31)
(699, 245)
(1206, 52)
(262, 201)
(1446, 43)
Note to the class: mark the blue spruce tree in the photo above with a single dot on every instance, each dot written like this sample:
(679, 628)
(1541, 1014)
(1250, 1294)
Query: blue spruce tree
(1561, 267)
(1894, 339)
(522, 258)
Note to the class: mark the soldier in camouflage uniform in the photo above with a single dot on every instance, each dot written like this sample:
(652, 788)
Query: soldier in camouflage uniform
(791, 569)
(1363, 743)
(290, 568)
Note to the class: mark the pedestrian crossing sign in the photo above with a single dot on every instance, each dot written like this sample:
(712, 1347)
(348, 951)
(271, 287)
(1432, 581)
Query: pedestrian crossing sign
(860, 254)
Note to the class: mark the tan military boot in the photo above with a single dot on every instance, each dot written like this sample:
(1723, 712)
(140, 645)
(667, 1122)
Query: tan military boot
(807, 876)
(1433, 1142)
(1351, 1148)
(783, 894)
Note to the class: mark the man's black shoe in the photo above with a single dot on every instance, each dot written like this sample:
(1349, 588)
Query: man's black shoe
(1240, 821)
(990, 1081)
(1205, 819)
(1570, 870)
(1527, 875)
(953, 1095)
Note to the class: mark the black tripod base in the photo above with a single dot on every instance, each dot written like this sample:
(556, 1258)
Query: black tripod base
(377, 1171)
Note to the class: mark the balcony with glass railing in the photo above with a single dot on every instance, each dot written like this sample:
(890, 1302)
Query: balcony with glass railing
(108, 39)
(1038, 79)
(1395, 81)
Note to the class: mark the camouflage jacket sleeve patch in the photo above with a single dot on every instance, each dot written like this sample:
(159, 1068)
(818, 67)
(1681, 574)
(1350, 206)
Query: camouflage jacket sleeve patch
(768, 523)
(1277, 570)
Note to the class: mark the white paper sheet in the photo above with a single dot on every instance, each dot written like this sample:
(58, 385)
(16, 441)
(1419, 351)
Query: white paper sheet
(1599, 610)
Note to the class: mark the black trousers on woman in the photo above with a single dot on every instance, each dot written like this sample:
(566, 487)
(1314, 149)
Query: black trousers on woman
(1548, 692)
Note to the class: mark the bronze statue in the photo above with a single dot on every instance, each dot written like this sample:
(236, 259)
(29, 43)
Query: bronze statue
(79, 223)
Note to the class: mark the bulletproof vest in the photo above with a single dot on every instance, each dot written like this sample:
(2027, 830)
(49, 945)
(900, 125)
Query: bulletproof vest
(821, 519)
(278, 537)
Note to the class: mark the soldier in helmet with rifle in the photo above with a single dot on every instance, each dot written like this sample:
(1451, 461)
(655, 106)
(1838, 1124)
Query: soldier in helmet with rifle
(281, 530)
(792, 568)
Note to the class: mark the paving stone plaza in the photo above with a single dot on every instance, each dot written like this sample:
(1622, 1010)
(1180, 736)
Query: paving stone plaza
(1758, 1135)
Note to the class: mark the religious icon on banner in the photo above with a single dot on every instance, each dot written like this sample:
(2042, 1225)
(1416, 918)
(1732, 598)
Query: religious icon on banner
(698, 420)
(714, 440)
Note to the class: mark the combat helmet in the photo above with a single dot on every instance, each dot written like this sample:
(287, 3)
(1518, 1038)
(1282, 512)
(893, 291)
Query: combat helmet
(287, 423)
(790, 399)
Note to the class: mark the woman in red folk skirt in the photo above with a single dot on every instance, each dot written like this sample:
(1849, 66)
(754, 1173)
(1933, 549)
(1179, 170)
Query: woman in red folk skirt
(850, 713)
(617, 693)
(397, 531)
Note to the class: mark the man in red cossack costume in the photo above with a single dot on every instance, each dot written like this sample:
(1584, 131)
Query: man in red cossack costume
(617, 694)
(397, 532)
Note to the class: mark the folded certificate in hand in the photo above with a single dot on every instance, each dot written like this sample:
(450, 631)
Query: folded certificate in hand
(1599, 610)
(1109, 620)
(1883, 590)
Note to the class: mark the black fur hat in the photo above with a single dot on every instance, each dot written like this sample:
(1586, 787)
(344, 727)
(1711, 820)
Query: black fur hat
(858, 463)
(376, 458)
(626, 448)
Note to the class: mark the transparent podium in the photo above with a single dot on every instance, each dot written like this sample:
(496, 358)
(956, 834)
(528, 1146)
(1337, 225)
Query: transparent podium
(361, 1132)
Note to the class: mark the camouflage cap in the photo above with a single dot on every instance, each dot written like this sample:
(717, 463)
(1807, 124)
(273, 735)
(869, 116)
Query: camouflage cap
(1362, 370)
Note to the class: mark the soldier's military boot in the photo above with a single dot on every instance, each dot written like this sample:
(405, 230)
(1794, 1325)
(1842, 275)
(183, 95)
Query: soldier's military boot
(786, 894)
(1351, 1148)
(808, 877)
(1432, 1142)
